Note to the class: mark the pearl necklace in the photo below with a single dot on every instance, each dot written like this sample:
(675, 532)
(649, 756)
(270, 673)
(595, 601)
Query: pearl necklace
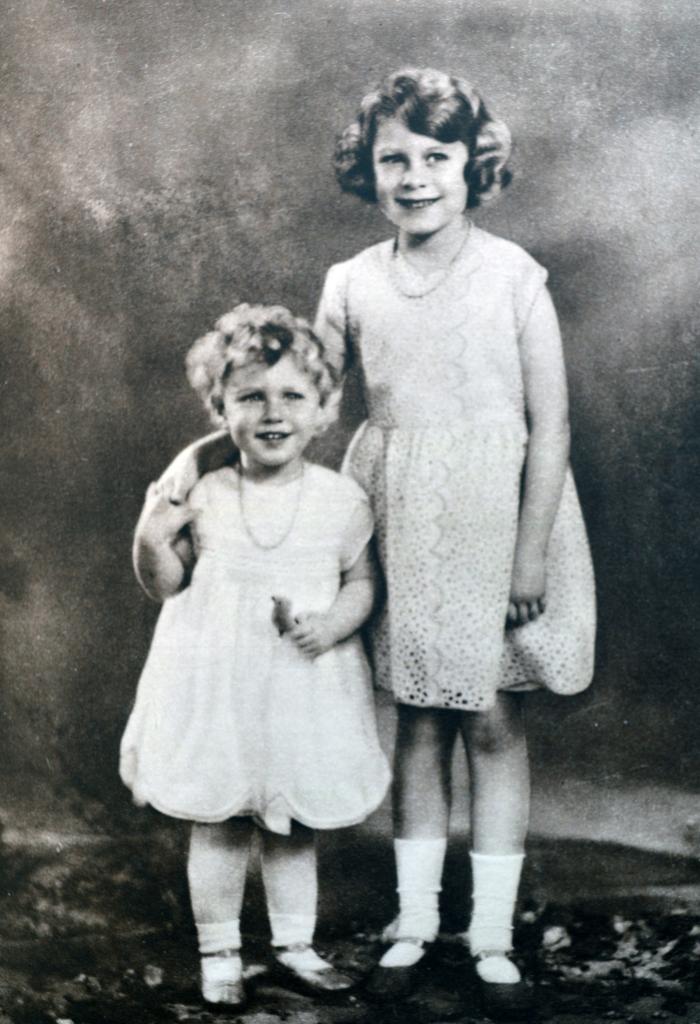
(269, 545)
(401, 270)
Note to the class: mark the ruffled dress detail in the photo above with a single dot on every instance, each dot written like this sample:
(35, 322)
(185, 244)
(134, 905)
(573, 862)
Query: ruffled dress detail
(230, 718)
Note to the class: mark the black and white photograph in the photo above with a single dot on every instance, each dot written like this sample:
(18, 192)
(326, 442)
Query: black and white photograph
(350, 563)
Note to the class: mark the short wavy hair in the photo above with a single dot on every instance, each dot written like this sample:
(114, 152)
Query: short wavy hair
(430, 103)
(251, 335)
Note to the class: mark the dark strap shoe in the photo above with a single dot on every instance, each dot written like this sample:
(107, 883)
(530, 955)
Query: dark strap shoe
(386, 984)
(502, 1001)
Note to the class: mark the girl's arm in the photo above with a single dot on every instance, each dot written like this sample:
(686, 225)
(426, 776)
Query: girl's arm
(207, 454)
(546, 400)
(163, 555)
(315, 634)
(330, 322)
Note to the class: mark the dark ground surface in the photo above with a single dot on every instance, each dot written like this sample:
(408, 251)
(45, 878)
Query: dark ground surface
(101, 934)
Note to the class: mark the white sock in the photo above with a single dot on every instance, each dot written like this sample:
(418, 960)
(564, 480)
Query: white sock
(291, 886)
(419, 864)
(495, 880)
(291, 929)
(218, 936)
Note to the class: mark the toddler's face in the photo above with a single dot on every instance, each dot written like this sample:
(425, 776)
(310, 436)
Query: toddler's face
(419, 181)
(272, 413)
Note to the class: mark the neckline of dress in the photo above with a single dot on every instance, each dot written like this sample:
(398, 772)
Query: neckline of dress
(243, 485)
(236, 475)
(399, 269)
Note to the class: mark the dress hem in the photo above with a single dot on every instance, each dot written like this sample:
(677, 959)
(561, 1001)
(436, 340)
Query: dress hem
(237, 811)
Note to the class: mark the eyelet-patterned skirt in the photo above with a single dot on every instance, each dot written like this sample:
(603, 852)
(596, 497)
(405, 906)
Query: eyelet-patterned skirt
(446, 504)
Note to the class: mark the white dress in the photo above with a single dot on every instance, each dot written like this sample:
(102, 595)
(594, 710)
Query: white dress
(441, 457)
(230, 717)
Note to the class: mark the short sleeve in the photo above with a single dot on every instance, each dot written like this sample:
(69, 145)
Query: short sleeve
(331, 317)
(530, 280)
(358, 531)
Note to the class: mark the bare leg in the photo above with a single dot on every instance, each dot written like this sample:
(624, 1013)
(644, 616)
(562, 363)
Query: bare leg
(422, 772)
(500, 790)
(291, 888)
(216, 868)
(499, 775)
(422, 777)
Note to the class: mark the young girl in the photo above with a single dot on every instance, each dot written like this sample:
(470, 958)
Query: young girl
(464, 455)
(254, 709)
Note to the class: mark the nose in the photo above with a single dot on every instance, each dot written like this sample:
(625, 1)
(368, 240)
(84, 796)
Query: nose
(273, 410)
(413, 176)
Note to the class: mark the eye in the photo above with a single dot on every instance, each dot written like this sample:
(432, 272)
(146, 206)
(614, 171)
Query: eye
(251, 396)
(391, 158)
(434, 158)
(294, 396)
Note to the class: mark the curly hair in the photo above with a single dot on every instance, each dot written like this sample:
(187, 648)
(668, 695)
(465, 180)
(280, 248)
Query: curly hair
(262, 335)
(429, 103)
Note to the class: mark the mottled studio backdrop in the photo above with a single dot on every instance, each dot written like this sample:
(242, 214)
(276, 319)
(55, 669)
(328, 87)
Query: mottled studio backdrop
(161, 159)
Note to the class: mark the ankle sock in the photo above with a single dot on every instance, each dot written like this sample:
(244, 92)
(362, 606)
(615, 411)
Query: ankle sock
(419, 864)
(495, 888)
(292, 929)
(217, 936)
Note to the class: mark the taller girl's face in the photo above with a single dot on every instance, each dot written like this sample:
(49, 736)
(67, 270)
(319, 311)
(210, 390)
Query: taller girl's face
(419, 181)
(272, 413)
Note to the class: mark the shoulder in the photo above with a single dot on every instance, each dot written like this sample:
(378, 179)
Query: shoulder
(363, 260)
(335, 487)
(505, 257)
(341, 512)
(211, 485)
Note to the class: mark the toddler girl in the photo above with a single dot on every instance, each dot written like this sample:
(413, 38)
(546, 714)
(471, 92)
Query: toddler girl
(464, 456)
(254, 709)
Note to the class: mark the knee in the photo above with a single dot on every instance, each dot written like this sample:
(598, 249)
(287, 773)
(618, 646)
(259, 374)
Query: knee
(492, 735)
(425, 740)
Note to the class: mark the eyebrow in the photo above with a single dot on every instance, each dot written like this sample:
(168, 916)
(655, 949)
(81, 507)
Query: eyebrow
(385, 150)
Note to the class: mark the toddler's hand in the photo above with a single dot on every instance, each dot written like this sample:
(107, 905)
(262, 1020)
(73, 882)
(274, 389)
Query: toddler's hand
(163, 515)
(282, 617)
(210, 453)
(312, 634)
(527, 590)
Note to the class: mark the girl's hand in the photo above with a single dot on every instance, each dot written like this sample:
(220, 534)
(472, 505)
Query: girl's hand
(163, 516)
(312, 634)
(527, 590)
(209, 453)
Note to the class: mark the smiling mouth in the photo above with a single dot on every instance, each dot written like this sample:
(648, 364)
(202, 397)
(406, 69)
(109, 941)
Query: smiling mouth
(272, 435)
(416, 204)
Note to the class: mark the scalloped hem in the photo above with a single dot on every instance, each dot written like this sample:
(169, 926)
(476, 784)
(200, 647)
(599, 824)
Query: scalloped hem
(240, 810)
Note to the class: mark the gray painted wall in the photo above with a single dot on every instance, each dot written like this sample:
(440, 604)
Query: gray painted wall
(161, 159)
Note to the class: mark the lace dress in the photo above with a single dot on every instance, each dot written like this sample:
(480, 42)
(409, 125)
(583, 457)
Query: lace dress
(230, 717)
(441, 456)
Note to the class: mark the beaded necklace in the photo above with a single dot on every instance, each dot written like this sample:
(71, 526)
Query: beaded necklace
(270, 545)
(402, 272)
